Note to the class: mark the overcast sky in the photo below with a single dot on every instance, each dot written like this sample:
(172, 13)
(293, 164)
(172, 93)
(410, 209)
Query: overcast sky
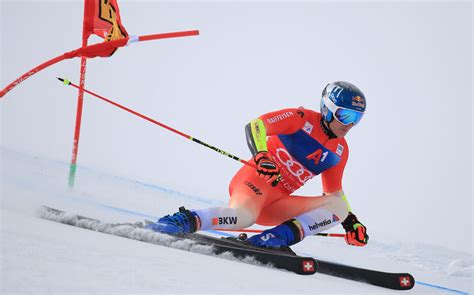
(410, 169)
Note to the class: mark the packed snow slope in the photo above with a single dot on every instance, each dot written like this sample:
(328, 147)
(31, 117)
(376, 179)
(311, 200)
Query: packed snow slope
(40, 256)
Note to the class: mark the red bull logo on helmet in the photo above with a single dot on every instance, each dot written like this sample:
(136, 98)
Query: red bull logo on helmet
(358, 101)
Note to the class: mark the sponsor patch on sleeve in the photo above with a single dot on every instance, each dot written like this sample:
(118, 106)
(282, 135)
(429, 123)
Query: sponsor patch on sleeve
(308, 127)
(280, 117)
(340, 149)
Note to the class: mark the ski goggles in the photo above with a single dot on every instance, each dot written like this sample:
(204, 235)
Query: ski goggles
(343, 115)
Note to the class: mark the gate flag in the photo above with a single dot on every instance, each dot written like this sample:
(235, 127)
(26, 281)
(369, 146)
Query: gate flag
(102, 18)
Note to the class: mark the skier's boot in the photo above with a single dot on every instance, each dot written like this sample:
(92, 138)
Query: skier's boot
(281, 236)
(181, 222)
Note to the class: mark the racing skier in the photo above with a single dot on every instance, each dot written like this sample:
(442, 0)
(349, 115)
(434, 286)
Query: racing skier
(289, 147)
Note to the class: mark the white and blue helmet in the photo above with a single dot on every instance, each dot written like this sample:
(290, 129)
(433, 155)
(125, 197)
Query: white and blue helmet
(344, 102)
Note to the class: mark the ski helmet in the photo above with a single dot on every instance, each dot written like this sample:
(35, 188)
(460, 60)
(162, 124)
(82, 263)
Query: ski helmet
(343, 101)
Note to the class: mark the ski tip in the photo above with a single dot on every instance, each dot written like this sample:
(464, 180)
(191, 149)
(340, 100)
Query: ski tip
(406, 282)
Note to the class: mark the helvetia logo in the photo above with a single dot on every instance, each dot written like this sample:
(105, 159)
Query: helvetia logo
(318, 225)
(224, 220)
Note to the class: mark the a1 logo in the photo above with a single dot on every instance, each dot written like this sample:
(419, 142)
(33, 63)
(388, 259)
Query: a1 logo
(318, 156)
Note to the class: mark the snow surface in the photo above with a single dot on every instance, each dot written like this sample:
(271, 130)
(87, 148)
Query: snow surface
(41, 256)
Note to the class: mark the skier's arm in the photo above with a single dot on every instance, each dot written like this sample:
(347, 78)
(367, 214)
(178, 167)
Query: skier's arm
(356, 232)
(257, 141)
(256, 134)
(332, 178)
(284, 121)
(279, 122)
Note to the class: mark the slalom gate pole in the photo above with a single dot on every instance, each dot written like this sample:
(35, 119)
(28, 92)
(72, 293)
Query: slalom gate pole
(259, 231)
(67, 82)
(77, 128)
(90, 52)
(80, 99)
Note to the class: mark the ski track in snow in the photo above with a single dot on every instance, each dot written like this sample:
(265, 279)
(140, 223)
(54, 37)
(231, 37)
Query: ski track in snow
(29, 182)
(139, 234)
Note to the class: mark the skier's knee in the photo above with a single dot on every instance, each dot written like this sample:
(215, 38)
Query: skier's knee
(245, 218)
(228, 218)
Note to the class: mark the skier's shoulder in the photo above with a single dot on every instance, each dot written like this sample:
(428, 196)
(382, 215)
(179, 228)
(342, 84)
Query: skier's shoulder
(285, 114)
(338, 146)
(308, 113)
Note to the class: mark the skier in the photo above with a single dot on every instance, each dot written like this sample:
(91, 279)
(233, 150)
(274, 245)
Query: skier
(289, 147)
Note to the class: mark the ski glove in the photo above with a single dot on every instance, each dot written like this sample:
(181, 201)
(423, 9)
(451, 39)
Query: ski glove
(356, 232)
(267, 168)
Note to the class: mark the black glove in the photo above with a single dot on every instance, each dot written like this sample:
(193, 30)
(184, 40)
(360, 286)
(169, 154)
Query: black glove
(356, 232)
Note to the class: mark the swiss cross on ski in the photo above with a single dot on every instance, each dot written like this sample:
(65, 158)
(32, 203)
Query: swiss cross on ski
(308, 266)
(405, 281)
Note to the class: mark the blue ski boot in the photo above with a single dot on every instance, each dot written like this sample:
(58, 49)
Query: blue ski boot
(182, 222)
(282, 236)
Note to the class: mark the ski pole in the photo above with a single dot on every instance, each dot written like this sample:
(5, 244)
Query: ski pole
(67, 82)
(240, 230)
(259, 231)
(331, 235)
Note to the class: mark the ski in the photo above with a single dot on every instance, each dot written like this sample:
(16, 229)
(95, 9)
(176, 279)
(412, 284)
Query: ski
(395, 281)
(284, 259)
(191, 242)
(297, 264)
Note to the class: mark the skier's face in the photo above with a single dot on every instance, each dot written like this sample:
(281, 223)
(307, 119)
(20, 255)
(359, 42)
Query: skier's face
(339, 129)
